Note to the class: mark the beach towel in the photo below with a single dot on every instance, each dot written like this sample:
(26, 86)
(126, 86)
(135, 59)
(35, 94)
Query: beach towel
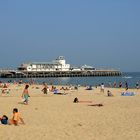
(127, 94)
(56, 91)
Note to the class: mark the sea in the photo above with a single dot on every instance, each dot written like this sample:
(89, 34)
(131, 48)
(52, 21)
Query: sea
(130, 77)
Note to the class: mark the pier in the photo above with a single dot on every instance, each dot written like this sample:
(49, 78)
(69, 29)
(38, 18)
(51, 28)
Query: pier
(44, 74)
(56, 68)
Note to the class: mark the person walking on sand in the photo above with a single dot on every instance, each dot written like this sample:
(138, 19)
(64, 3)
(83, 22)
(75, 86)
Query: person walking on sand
(25, 94)
(16, 118)
(102, 88)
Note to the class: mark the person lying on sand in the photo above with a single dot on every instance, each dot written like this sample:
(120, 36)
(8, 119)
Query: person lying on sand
(77, 101)
(5, 91)
(56, 91)
(89, 88)
(62, 88)
(16, 118)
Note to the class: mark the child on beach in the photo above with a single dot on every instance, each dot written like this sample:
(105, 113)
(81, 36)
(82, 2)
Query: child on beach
(25, 94)
(109, 94)
(16, 118)
(4, 120)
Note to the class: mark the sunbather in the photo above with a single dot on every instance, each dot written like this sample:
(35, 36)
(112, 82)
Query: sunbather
(77, 101)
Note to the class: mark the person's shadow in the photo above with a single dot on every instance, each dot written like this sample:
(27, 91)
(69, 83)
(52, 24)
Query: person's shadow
(21, 103)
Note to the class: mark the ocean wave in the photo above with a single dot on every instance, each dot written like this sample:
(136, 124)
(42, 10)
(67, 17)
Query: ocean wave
(127, 77)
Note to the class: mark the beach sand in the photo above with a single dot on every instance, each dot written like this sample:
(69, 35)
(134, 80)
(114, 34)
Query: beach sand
(56, 117)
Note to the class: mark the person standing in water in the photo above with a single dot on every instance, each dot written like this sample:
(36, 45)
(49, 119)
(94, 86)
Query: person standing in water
(25, 94)
(126, 85)
(137, 85)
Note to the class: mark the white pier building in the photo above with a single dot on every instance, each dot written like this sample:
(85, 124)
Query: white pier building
(56, 65)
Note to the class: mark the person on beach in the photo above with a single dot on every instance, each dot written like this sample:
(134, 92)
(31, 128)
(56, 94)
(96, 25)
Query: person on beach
(4, 120)
(89, 87)
(45, 89)
(52, 88)
(16, 119)
(109, 94)
(102, 88)
(137, 85)
(115, 84)
(25, 94)
(76, 100)
(57, 92)
(126, 85)
(5, 91)
(120, 85)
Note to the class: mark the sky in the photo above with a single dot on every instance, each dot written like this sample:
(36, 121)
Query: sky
(100, 33)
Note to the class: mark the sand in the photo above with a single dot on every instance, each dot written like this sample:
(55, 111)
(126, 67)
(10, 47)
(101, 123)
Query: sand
(56, 117)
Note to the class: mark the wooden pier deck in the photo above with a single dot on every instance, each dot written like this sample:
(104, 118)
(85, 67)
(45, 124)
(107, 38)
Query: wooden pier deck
(43, 74)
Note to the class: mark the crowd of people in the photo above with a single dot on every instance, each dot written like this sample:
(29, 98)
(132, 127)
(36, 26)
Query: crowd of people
(17, 118)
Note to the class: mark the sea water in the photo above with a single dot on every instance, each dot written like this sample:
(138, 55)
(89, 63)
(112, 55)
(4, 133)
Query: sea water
(130, 77)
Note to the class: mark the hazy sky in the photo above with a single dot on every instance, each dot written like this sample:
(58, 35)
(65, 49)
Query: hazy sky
(101, 33)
